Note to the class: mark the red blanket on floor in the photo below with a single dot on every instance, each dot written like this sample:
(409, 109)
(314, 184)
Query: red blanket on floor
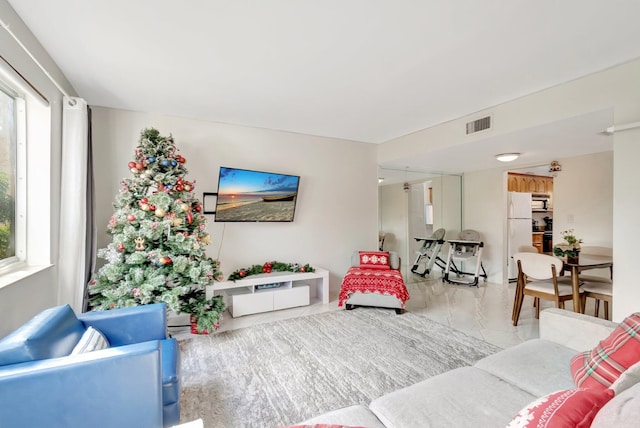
(379, 281)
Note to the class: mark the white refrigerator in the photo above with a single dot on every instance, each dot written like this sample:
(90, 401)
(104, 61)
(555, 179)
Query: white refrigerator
(518, 227)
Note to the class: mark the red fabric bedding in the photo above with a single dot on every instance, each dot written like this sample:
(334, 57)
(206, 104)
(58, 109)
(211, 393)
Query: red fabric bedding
(387, 282)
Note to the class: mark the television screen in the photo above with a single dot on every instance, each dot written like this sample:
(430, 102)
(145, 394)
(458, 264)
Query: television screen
(245, 195)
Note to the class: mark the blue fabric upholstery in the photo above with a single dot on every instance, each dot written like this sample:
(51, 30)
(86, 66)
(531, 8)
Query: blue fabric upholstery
(170, 368)
(50, 334)
(129, 325)
(134, 383)
(115, 387)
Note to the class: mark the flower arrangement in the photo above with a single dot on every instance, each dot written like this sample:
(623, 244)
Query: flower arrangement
(570, 247)
(269, 267)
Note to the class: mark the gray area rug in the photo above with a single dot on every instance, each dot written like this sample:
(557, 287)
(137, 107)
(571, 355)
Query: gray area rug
(284, 372)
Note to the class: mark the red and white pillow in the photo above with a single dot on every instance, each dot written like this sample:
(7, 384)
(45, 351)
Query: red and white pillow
(374, 259)
(602, 366)
(572, 408)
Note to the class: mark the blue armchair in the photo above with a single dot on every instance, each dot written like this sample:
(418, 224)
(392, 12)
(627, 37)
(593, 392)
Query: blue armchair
(133, 383)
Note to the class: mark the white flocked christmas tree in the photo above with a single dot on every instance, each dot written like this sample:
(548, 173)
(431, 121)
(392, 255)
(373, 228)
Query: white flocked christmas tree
(159, 235)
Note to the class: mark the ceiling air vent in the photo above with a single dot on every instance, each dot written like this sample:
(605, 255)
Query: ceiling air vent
(479, 125)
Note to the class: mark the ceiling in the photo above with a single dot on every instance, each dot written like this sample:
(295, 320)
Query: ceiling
(363, 70)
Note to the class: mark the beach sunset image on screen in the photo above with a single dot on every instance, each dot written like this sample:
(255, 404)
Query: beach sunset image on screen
(256, 196)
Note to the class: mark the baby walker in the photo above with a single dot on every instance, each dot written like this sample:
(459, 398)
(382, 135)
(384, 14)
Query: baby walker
(464, 249)
(429, 253)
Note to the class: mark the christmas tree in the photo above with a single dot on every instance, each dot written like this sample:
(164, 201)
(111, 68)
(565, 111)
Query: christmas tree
(159, 236)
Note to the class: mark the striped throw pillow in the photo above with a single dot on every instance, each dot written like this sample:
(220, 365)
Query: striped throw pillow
(602, 366)
(91, 340)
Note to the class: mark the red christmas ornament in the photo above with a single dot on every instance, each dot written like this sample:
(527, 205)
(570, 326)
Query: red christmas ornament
(181, 159)
(139, 166)
(131, 164)
(242, 274)
(198, 208)
(131, 217)
(152, 207)
(120, 246)
(144, 201)
(189, 217)
(302, 269)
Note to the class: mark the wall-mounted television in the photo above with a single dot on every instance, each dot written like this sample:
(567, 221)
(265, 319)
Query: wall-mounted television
(255, 196)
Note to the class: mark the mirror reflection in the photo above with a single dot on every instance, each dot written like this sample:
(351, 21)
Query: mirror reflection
(415, 204)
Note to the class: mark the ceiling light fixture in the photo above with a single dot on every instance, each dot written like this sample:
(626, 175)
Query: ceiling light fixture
(380, 180)
(507, 157)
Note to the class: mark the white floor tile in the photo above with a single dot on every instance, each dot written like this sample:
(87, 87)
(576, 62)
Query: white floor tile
(483, 311)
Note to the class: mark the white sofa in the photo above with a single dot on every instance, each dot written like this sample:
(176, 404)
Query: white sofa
(496, 388)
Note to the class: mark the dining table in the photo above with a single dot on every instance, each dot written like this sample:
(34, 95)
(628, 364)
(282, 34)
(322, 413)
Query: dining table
(584, 262)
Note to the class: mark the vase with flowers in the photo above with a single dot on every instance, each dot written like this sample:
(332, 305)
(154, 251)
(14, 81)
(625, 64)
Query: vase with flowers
(569, 248)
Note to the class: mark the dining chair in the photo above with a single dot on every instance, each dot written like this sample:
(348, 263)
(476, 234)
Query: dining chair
(537, 277)
(527, 249)
(597, 287)
(599, 291)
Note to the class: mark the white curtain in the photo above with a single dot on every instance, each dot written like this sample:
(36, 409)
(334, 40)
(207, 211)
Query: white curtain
(76, 213)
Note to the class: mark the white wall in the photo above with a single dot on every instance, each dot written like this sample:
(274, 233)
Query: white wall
(336, 210)
(484, 210)
(626, 231)
(417, 194)
(583, 199)
(394, 217)
(27, 291)
(447, 204)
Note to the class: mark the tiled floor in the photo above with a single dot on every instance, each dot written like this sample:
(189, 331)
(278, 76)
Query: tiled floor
(483, 312)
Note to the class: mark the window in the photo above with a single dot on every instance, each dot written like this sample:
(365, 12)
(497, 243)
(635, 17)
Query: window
(7, 175)
(11, 111)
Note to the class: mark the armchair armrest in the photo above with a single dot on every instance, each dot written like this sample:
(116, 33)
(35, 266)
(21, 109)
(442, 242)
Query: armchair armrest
(115, 387)
(129, 325)
(577, 331)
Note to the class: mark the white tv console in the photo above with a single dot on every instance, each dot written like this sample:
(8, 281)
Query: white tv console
(244, 296)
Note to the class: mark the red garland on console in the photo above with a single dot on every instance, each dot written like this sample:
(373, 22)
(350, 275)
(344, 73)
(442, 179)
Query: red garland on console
(269, 267)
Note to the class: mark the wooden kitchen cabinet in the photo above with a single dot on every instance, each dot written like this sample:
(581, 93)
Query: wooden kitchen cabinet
(536, 241)
(528, 183)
